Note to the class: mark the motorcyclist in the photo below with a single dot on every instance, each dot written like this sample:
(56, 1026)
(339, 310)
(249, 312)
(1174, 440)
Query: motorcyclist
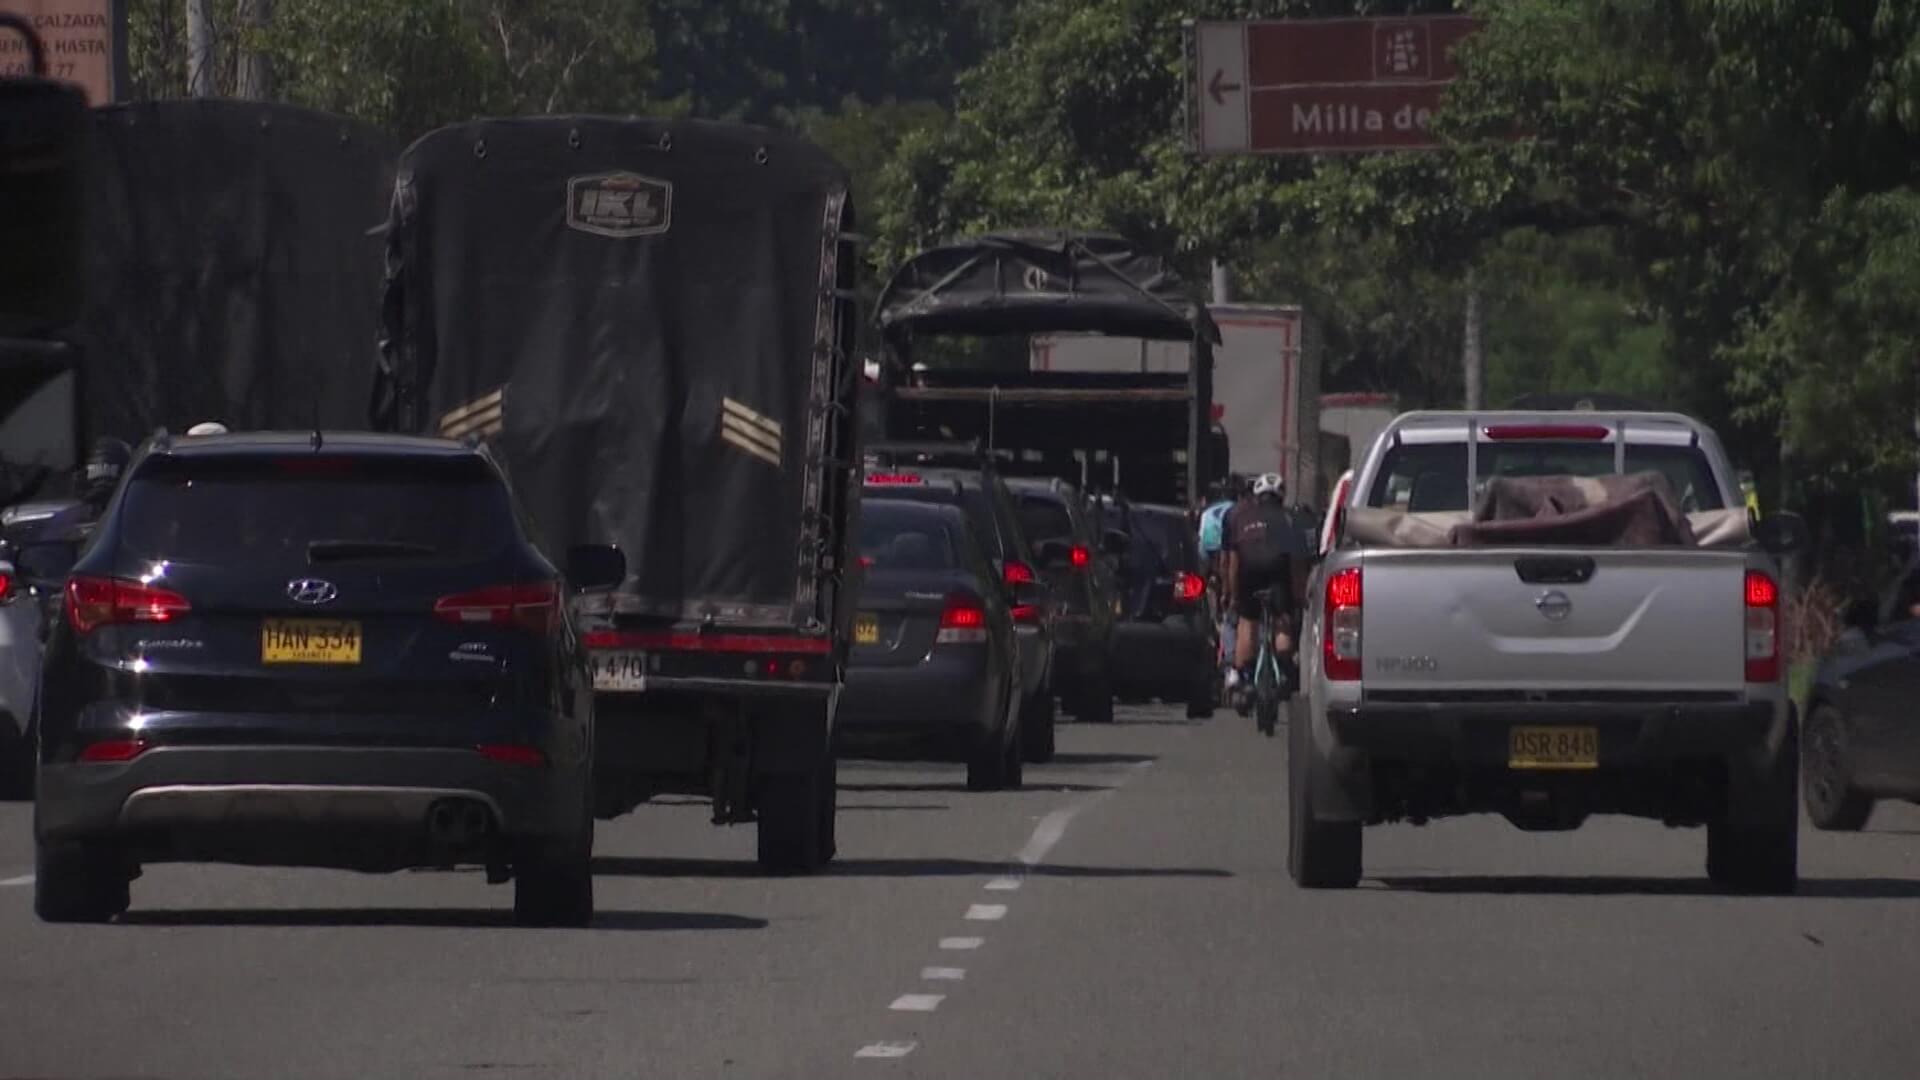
(1264, 551)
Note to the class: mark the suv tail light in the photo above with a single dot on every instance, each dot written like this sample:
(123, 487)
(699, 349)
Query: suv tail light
(1763, 628)
(1080, 556)
(534, 607)
(1189, 588)
(112, 750)
(93, 602)
(964, 622)
(1340, 644)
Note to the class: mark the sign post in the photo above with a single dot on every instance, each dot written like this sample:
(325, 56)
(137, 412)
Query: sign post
(85, 43)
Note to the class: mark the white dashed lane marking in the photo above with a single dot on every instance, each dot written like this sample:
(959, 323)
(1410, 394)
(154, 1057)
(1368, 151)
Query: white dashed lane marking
(24, 879)
(1003, 884)
(917, 1002)
(886, 1050)
(934, 974)
(987, 912)
(962, 942)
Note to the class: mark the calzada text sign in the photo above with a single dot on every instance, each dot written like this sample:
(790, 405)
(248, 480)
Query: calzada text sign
(79, 35)
(1294, 86)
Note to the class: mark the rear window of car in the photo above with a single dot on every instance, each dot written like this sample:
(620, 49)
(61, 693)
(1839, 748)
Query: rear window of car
(1169, 537)
(905, 538)
(1431, 477)
(273, 511)
(1045, 518)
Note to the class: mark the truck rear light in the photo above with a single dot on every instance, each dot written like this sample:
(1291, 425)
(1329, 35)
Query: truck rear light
(1763, 628)
(112, 750)
(510, 754)
(964, 622)
(534, 607)
(93, 602)
(1340, 644)
(1189, 588)
(1080, 557)
(1546, 432)
(893, 479)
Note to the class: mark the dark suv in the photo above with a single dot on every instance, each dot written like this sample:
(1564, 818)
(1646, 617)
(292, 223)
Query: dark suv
(1166, 644)
(314, 650)
(1078, 561)
(960, 475)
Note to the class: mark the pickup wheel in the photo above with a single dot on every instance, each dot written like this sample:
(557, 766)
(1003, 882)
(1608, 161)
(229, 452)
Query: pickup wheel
(1763, 859)
(1320, 854)
(790, 830)
(1833, 803)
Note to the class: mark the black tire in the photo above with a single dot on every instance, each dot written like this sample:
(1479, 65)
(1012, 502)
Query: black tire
(77, 885)
(554, 888)
(1320, 854)
(1096, 696)
(1013, 773)
(829, 792)
(16, 768)
(790, 835)
(1203, 694)
(1833, 803)
(1763, 859)
(1037, 724)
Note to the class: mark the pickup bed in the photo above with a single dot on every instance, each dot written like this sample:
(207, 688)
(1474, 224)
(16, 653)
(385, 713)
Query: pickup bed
(1586, 627)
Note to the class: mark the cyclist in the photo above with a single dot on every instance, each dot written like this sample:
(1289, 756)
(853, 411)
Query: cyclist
(1212, 534)
(1264, 553)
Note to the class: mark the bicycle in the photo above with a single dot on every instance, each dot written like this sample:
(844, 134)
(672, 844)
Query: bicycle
(1273, 677)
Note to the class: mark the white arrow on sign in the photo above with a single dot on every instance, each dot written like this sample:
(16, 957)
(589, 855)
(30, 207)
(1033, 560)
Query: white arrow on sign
(1220, 69)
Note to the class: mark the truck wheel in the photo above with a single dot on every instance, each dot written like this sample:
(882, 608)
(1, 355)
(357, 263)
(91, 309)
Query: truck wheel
(1833, 803)
(1037, 728)
(75, 885)
(830, 809)
(788, 806)
(1320, 854)
(1763, 858)
(1096, 697)
(554, 888)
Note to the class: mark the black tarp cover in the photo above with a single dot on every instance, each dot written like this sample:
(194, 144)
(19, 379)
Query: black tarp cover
(640, 316)
(1042, 281)
(42, 147)
(230, 273)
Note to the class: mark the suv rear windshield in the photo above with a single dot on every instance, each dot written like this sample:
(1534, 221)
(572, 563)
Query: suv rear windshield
(271, 510)
(1162, 540)
(1430, 477)
(905, 538)
(1044, 518)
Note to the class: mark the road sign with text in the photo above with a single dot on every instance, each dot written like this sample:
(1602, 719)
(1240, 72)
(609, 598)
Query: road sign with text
(80, 39)
(1320, 86)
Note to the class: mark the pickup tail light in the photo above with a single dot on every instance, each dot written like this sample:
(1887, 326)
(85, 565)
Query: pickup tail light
(1763, 628)
(534, 607)
(93, 602)
(964, 622)
(1189, 588)
(1340, 644)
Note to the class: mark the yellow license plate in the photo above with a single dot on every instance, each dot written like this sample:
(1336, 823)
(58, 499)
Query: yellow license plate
(866, 630)
(1553, 748)
(310, 641)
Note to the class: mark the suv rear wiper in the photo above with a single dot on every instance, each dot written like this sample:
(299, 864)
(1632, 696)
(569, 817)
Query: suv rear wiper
(347, 550)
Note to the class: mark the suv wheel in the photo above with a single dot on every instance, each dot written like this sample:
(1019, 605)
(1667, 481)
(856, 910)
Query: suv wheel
(554, 888)
(1763, 858)
(77, 885)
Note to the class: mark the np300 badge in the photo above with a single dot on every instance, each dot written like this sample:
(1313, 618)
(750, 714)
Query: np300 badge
(619, 204)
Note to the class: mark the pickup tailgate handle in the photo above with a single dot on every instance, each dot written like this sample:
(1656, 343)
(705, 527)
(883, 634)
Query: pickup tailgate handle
(1555, 569)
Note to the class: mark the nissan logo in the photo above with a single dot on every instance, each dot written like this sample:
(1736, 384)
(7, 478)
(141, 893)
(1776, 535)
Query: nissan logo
(1554, 605)
(311, 591)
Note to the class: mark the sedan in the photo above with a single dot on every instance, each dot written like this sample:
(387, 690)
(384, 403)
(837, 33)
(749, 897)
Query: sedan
(1860, 742)
(935, 667)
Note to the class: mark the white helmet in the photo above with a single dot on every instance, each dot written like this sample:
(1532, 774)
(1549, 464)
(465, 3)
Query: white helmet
(1270, 484)
(209, 427)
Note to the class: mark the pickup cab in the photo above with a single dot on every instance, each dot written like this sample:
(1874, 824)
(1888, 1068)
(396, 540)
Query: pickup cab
(1545, 616)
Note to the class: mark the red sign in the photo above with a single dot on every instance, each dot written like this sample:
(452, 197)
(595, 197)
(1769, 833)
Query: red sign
(79, 38)
(1321, 86)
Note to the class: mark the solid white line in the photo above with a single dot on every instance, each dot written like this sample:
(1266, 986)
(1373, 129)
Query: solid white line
(917, 1002)
(1003, 884)
(947, 974)
(962, 942)
(24, 879)
(987, 912)
(886, 1050)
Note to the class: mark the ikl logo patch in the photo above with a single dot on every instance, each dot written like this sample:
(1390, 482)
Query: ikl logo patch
(619, 204)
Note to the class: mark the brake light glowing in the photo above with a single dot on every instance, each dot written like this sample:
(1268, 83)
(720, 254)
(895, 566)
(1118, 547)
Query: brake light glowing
(1016, 572)
(510, 754)
(1763, 628)
(1340, 643)
(112, 750)
(1188, 588)
(886, 479)
(6, 587)
(95, 602)
(964, 622)
(534, 606)
(1080, 557)
(1535, 432)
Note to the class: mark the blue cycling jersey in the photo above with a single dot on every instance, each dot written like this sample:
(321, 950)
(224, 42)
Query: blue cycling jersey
(1212, 525)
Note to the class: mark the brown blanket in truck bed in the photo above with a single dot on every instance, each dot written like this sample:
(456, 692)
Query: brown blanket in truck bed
(1635, 510)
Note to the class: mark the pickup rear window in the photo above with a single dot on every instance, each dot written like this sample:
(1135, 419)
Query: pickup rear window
(1430, 478)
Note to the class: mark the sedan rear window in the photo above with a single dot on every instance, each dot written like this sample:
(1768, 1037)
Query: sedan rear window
(893, 540)
(297, 510)
(1045, 519)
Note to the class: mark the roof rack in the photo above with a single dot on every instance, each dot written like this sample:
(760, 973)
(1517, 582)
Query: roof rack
(970, 451)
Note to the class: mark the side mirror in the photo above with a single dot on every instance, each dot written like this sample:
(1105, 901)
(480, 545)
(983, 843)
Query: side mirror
(1116, 542)
(1055, 553)
(1782, 534)
(596, 566)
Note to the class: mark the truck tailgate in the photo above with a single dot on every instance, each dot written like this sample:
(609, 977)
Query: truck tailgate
(1605, 621)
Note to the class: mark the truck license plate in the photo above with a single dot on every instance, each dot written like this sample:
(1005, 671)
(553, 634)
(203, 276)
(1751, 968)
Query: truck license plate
(619, 669)
(1553, 748)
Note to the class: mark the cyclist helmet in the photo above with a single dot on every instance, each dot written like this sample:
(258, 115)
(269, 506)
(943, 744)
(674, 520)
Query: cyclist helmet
(1270, 484)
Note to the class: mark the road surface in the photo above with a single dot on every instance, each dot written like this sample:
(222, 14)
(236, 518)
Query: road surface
(1128, 915)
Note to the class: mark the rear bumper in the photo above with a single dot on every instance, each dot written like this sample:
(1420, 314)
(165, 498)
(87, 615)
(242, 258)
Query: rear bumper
(209, 789)
(1160, 656)
(1629, 735)
(943, 700)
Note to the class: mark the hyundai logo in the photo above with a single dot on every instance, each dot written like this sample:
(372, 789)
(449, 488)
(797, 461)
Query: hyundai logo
(311, 591)
(1555, 605)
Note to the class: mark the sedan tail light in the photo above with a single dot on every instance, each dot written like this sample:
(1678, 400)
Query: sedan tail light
(1763, 628)
(1189, 588)
(1080, 556)
(534, 607)
(93, 602)
(964, 622)
(1340, 643)
(1016, 573)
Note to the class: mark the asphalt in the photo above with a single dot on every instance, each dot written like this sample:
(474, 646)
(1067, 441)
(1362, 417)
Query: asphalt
(1128, 915)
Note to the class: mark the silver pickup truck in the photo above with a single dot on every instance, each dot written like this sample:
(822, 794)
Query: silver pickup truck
(1449, 668)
